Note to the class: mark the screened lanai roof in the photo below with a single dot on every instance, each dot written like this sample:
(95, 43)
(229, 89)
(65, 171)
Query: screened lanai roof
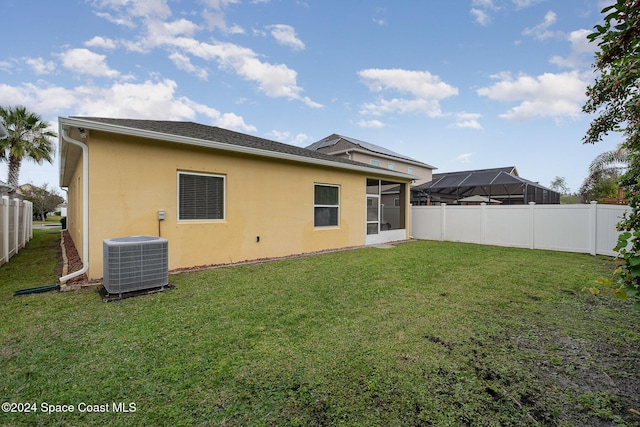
(503, 184)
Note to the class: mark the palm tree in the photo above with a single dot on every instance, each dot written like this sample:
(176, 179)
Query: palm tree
(604, 171)
(610, 161)
(28, 139)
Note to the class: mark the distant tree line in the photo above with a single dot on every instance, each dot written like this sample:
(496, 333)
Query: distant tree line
(44, 201)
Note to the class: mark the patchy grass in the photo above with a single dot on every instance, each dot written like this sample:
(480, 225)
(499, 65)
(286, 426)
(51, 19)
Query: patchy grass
(426, 333)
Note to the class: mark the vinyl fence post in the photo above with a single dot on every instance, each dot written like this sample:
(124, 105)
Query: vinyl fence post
(443, 222)
(593, 227)
(30, 222)
(483, 225)
(16, 224)
(5, 228)
(532, 230)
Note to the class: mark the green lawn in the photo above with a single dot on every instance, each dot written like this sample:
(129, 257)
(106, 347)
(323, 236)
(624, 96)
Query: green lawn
(51, 220)
(426, 333)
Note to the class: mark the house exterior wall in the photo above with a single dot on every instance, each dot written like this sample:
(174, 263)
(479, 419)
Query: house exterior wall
(75, 202)
(132, 178)
(400, 165)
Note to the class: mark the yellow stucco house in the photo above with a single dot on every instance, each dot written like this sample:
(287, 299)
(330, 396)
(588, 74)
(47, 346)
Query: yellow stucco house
(216, 195)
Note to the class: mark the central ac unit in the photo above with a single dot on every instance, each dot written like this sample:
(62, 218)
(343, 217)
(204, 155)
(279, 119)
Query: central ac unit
(135, 263)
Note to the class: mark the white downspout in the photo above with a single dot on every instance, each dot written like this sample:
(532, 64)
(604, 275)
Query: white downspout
(85, 207)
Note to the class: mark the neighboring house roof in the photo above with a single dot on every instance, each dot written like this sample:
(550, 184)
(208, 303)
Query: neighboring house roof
(484, 182)
(191, 133)
(471, 178)
(24, 188)
(6, 188)
(365, 146)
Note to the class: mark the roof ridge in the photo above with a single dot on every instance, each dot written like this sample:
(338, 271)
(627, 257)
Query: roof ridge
(368, 146)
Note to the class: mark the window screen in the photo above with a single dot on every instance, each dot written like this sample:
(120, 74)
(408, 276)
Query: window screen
(326, 205)
(200, 196)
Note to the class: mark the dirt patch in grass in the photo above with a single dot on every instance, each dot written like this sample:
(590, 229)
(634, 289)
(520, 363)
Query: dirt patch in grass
(597, 379)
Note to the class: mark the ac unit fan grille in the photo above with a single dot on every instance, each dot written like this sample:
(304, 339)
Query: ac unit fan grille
(135, 263)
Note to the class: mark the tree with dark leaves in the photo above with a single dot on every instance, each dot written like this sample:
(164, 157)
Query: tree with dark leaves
(614, 98)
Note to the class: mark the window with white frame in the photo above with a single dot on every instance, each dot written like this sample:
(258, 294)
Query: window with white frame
(374, 162)
(392, 166)
(326, 205)
(201, 196)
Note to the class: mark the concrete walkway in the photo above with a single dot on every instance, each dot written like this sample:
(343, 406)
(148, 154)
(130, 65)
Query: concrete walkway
(47, 226)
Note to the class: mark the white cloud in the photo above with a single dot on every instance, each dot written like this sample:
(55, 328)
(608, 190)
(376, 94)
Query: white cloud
(467, 121)
(286, 36)
(521, 4)
(464, 157)
(147, 100)
(184, 63)
(370, 124)
(421, 84)
(301, 140)
(178, 37)
(6, 66)
(425, 90)
(480, 11)
(234, 29)
(580, 43)
(547, 95)
(126, 9)
(484, 3)
(219, 4)
(101, 42)
(378, 20)
(298, 140)
(83, 61)
(181, 27)
(216, 18)
(40, 66)
(274, 80)
(402, 106)
(232, 121)
(278, 135)
(581, 51)
(480, 16)
(541, 31)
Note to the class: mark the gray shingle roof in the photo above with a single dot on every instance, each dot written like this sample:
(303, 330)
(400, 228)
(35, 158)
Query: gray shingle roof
(219, 135)
(335, 138)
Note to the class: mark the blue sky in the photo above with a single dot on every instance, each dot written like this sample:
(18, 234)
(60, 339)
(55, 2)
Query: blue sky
(462, 84)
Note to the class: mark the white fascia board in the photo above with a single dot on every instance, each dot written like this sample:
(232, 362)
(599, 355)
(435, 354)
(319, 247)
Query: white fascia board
(124, 130)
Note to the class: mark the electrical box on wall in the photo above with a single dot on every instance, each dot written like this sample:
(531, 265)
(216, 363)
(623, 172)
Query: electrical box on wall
(160, 215)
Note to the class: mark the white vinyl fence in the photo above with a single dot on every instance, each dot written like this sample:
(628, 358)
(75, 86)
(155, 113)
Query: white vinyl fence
(572, 228)
(16, 226)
